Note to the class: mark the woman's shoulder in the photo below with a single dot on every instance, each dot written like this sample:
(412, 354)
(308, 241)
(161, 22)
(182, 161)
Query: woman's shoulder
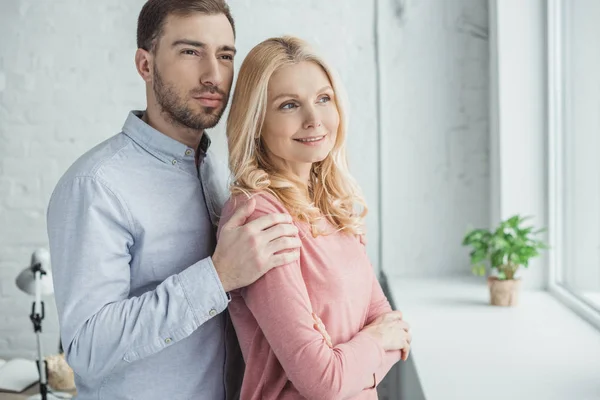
(265, 203)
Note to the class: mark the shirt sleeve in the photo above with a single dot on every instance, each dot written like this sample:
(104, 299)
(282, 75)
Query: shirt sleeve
(280, 304)
(91, 233)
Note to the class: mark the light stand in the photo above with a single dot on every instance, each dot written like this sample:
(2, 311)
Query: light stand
(37, 280)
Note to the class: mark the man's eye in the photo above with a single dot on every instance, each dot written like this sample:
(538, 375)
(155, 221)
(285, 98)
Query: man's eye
(227, 57)
(189, 52)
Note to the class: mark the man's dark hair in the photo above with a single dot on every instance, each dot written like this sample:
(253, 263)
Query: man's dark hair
(154, 13)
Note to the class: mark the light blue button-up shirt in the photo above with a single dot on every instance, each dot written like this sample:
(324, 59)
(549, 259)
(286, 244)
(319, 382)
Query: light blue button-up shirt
(132, 227)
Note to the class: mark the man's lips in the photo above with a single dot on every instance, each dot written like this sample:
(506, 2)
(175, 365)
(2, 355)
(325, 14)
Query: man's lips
(210, 100)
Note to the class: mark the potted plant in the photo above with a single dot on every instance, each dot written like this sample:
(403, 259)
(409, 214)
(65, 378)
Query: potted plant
(509, 247)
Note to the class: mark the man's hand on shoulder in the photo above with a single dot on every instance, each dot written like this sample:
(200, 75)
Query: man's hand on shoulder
(246, 251)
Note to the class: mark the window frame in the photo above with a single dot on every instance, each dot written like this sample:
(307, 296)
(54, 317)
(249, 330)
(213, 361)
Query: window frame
(556, 23)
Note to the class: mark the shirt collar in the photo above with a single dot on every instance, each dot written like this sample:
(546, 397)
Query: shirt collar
(160, 145)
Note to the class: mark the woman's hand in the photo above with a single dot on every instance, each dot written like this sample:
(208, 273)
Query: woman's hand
(391, 332)
(320, 327)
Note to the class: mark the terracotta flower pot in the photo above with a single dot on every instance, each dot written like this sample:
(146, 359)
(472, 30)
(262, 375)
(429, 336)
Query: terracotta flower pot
(504, 292)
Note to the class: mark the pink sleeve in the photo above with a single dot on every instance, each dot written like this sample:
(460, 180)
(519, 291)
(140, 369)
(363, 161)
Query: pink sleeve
(380, 305)
(279, 301)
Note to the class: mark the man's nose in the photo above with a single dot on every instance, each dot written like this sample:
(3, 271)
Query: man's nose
(211, 75)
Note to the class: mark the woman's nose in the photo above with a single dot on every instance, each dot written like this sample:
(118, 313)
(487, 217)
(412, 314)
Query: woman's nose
(312, 119)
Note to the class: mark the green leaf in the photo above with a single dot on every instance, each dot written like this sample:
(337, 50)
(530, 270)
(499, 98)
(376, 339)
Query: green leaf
(478, 270)
(513, 221)
(510, 245)
(478, 256)
(476, 236)
(497, 258)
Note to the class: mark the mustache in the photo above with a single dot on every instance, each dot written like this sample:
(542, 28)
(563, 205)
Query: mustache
(208, 89)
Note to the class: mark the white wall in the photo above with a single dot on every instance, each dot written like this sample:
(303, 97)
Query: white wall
(518, 132)
(67, 81)
(435, 175)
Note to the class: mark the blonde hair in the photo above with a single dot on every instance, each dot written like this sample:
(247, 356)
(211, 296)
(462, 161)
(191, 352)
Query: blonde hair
(332, 192)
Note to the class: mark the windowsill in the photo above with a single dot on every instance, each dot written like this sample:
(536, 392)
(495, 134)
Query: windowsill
(593, 298)
(464, 348)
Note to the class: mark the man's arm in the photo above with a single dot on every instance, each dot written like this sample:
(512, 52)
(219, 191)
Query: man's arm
(91, 232)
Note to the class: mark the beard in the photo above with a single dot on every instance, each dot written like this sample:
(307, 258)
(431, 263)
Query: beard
(179, 112)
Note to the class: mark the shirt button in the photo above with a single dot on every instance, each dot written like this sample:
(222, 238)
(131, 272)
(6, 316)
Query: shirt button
(174, 162)
(212, 312)
(168, 340)
(188, 152)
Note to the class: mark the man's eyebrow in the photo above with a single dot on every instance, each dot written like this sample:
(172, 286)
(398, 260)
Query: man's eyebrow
(195, 43)
(228, 48)
(188, 42)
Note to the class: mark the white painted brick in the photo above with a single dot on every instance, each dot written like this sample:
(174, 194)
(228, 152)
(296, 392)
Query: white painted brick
(4, 346)
(21, 227)
(2, 81)
(18, 320)
(64, 88)
(19, 306)
(435, 132)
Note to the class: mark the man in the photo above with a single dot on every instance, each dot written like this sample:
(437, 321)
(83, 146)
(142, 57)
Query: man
(141, 285)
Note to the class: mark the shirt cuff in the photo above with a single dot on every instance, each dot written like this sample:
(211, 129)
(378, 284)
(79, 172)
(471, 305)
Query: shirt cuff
(203, 290)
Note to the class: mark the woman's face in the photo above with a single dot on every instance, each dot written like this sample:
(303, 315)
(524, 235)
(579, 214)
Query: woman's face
(302, 119)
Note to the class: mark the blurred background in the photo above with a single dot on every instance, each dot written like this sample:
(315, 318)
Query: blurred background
(462, 113)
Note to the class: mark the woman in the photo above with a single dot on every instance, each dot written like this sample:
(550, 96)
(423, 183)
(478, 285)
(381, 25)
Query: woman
(320, 327)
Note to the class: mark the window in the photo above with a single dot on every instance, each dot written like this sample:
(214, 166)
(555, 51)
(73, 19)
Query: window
(574, 153)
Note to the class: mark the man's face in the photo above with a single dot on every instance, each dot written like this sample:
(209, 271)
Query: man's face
(193, 69)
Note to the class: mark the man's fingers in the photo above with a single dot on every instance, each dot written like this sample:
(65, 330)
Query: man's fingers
(269, 220)
(283, 243)
(241, 215)
(279, 260)
(279, 230)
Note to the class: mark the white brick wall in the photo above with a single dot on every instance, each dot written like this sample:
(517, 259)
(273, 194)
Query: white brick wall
(67, 80)
(435, 133)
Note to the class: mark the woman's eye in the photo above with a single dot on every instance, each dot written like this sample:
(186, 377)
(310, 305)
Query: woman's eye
(325, 99)
(288, 106)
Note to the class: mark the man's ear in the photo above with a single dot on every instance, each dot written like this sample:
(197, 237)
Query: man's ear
(143, 64)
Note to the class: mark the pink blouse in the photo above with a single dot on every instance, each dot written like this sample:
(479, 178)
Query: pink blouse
(286, 357)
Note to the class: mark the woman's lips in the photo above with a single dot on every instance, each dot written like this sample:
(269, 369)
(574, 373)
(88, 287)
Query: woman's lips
(311, 140)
